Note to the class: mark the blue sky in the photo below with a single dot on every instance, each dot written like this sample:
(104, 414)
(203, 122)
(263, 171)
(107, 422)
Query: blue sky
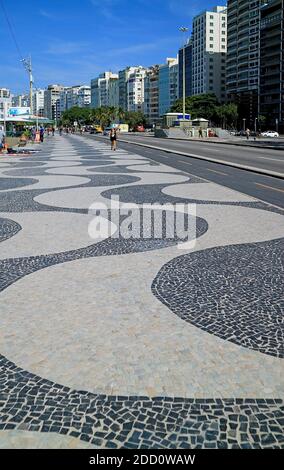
(72, 41)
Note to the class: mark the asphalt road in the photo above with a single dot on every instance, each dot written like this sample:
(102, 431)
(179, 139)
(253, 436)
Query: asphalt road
(266, 188)
(262, 158)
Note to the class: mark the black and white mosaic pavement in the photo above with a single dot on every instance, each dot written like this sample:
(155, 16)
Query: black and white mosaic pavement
(8, 228)
(30, 403)
(11, 270)
(233, 292)
(11, 183)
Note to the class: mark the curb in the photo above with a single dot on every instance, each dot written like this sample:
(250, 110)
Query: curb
(235, 165)
(236, 144)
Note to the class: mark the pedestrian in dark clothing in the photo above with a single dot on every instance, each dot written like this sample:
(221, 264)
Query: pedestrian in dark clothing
(41, 133)
(113, 138)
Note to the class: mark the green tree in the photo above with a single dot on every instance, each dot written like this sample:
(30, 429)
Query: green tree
(76, 114)
(135, 118)
(208, 107)
(227, 114)
(199, 106)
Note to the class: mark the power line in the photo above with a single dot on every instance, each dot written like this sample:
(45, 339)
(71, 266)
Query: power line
(11, 29)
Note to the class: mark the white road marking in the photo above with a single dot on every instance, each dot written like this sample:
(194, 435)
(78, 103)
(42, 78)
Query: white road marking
(270, 187)
(219, 172)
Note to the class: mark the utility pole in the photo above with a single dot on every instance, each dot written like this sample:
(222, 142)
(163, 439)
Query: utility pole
(183, 30)
(27, 63)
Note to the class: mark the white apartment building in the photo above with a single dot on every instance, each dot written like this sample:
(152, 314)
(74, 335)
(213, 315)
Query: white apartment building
(22, 101)
(84, 96)
(123, 79)
(38, 102)
(135, 87)
(209, 48)
(5, 101)
(78, 95)
(52, 107)
(102, 88)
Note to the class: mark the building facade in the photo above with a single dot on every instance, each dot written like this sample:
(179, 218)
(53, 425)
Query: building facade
(113, 92)
(100, 89)
(151, 94)
(187, 51)
(38, 102)
(168, 85)
(209, 48)
(271, 80)
(84, 96)
(5, 101)
(242, 68)
(52, 106)
(22, 101)
(135, 89)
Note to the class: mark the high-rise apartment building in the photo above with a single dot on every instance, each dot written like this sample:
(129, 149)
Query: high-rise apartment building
(187, 52)
(38, 102)
(100, 89)
(271, 86)
(22, 101)
(209, 48)
(168, 85)
(135, 89)
(113, 92)
(242, 69)
(52, 95)
(151, 94)
(84, 96)
(5, 101)
(78, 95)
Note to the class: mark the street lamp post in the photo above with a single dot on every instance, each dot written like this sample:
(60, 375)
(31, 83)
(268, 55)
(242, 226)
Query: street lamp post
(244, 121)
(183, 30)
(28, 66)
(255, 128)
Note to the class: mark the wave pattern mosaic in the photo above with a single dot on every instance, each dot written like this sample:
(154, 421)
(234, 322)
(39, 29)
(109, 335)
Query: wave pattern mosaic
(136, 342)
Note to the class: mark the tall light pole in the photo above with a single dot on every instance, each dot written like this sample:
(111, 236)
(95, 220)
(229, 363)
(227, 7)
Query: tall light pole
(183, 30)
(28, 66)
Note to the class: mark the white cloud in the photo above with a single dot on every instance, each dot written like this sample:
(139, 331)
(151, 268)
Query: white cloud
(67, 47)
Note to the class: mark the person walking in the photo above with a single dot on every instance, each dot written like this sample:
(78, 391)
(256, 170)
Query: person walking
(113, 138)
(200, 132)
(53, 131)
(41, 133)
(248, 134)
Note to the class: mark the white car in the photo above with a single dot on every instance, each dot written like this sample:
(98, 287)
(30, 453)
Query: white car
(270, 134)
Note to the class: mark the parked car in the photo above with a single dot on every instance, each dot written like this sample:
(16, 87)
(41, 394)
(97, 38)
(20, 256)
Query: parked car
(107, 131)
(270, 134)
